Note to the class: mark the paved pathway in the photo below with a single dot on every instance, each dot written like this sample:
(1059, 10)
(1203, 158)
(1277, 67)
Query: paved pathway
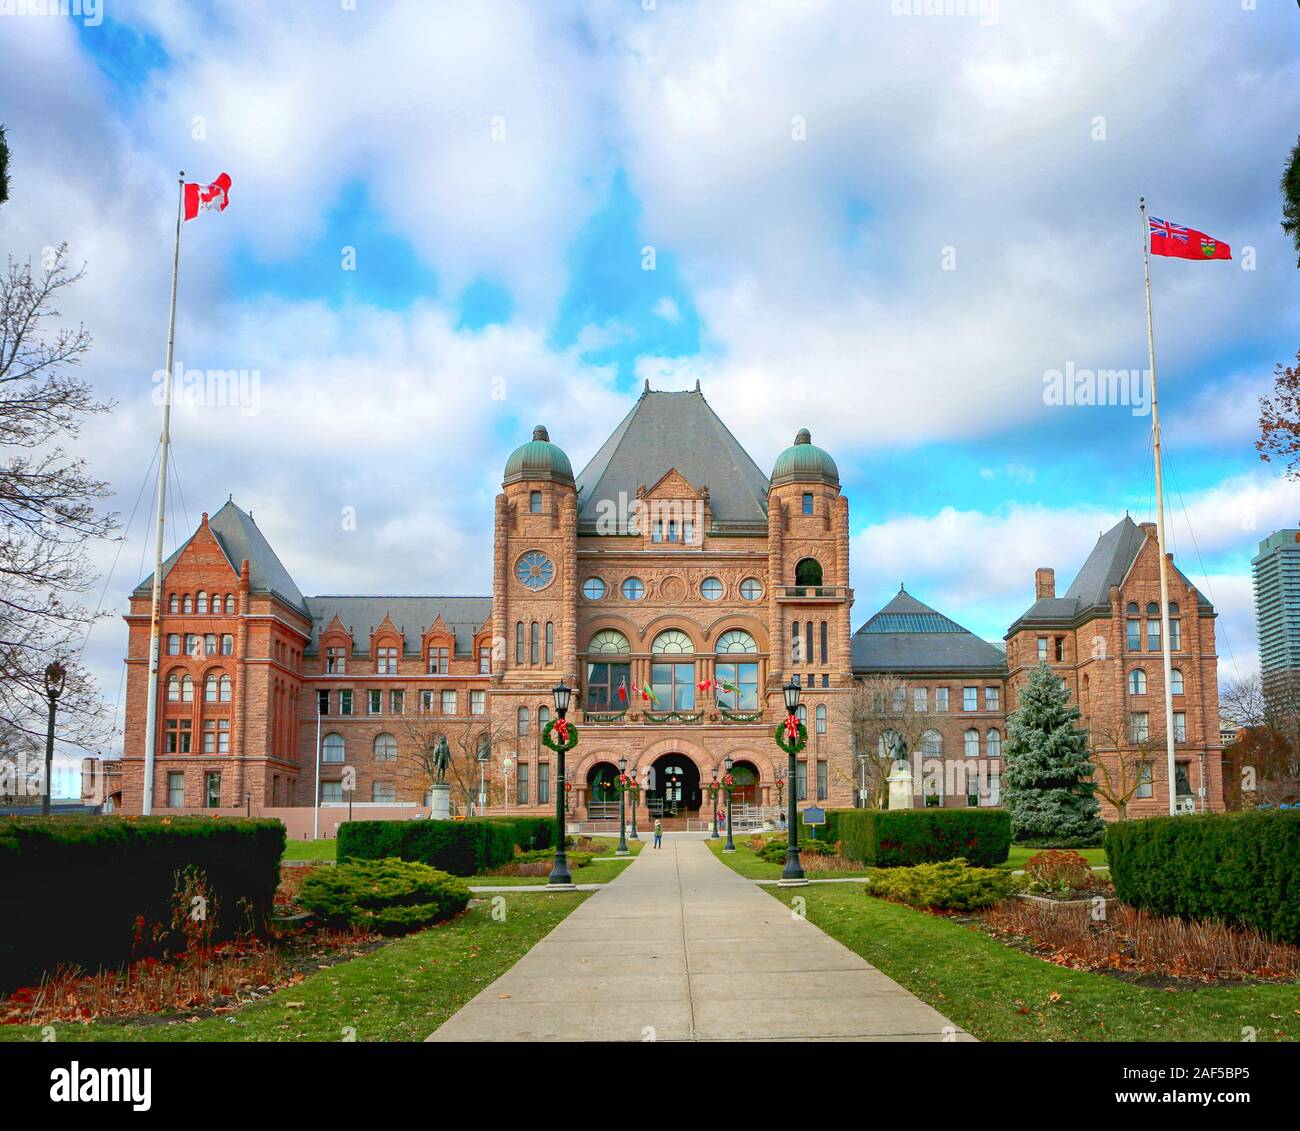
(680, 947)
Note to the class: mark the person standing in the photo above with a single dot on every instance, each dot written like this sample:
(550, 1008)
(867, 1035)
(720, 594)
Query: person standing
(659, 833)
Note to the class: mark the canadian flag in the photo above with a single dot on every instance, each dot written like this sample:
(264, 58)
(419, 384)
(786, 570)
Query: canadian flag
(208, 198)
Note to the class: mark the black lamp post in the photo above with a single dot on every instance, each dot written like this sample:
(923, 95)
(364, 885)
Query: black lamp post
(560, 871)
(713, 801)
(730, 846)
(55, 677)
(792, 873)
(636, 795)
(622, 849)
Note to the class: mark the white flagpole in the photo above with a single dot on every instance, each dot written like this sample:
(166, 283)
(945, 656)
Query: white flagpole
(315, 805)
(151, 706)
(1160, 520)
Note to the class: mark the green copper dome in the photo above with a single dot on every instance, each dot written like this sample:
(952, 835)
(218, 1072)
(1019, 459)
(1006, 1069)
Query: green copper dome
(805, 462)
(539, 459)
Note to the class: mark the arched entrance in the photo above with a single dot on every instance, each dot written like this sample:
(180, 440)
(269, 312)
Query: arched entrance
(602, 797)
(746, 776)
(674, 793)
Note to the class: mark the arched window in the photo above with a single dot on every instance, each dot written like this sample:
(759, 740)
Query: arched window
(972, 743)
(187, 603)
(609, 641)
(385, 748)
(332, 748)
(993, 743)
(1176, 681)
(736, 641)
(1153, 627)
(1153, 609)
(226, 685)
(808, 572)
(550, 642)
(174, 604)
(230, 604)
(534, 643)
(521, 721)
(543, 717)
(210, 688)
(519, 642)
(187, 689)
(202, 602)
(173, 689)
(796, 643)
(825, 643)
(1175, 627)
(672, 641)
(821, 718)
(932, 744)
(1137, 682)
(1132, 609)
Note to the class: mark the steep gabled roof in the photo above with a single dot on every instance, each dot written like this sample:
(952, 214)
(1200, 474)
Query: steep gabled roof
(909, 636)
(239, 538)
(463, 616)
(680, 430)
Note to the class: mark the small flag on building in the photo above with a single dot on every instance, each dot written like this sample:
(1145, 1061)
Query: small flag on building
(207, 198)
(622, 691)
(1168, 238)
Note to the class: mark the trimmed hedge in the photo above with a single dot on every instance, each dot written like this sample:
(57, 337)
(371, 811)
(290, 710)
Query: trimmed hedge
(1238, 867)
(463, 848)
(892, 838)
(76, 886)
(388, 896)
(950, 885)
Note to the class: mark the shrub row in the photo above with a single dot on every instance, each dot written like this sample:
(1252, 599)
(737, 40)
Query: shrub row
(890, 838)
(1237, 867)
(388, 896)
(950, 885)
(79, 890)
(463, 848)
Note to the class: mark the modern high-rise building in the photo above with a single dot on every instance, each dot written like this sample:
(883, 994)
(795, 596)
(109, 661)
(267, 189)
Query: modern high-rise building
(1277, 602)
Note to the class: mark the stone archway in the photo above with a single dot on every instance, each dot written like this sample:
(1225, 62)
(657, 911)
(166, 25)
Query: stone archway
(675, 794)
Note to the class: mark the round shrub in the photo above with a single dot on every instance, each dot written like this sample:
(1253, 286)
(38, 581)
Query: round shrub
(950, 885)
(1058, 871)
(389, 896)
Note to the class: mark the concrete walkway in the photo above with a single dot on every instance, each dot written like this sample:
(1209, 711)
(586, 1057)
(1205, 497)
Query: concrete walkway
(681, 948)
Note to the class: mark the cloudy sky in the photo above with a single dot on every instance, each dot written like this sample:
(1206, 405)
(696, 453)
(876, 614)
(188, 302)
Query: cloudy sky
(882, 225)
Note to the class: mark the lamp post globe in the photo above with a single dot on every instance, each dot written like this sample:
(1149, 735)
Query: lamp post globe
(622, 849)
(55, 677)
(792, 873)
(730, 846)
(560, 694)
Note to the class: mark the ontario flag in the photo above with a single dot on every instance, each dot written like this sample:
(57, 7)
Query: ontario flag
(1168, 238)
(207, 198)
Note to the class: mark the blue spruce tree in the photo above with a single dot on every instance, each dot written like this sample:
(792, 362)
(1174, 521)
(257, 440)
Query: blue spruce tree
(1047, 775)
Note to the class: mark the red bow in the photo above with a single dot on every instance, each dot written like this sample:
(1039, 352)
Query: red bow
(792, 727)
(562, 729)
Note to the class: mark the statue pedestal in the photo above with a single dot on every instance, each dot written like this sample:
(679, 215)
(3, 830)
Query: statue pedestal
(440, 801)
(900, 788)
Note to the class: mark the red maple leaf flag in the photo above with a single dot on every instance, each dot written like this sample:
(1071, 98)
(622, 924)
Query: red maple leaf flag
(207, 198)
(1174, 240)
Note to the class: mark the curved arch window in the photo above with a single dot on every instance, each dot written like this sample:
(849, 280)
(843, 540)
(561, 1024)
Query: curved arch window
(226, 686)
(534, 643)
(173, 689)
(633, 588)
(672, 641)
(609, 641)
(736, 641)
(187, 603)
(993, 743)
(1176, 681)
(230, 604)
(932, 744)
(1132, 609)
(385, 748)
(751, 589)
(519, 642)
(333, 748)
(210, 689)
(821, 718)
(550, 642)
(174, 604)
(521, 721)
(1137, 682)
(201, 601)
(808, 572)
(593, 589)
(711, 588)
(972, 746)
(187, 689)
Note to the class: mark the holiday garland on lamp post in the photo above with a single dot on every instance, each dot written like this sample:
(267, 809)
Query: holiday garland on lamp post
(792, 735)
(568, 736)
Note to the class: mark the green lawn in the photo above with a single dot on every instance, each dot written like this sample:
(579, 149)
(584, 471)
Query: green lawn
(597, 872)
(310, 850)
(1019, 854)
(401, 992)
(1000, 994)
(745, 861)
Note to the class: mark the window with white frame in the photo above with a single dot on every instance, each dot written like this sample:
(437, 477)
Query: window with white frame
(970, 698)
(477, 702)
(385, 748)
(386, 661)
(332, 747)
(972, 743)
(448, 702)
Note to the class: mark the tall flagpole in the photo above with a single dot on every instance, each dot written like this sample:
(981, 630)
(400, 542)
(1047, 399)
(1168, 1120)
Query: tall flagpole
(1160, 519)
(151, 707)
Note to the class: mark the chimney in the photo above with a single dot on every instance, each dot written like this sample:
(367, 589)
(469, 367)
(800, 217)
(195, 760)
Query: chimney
(1044, 583)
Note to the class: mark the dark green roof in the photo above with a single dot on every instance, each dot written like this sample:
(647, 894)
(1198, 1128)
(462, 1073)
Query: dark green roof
(805, 462)
(538, 459)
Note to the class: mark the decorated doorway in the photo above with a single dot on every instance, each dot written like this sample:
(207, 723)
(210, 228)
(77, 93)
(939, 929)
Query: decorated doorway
(675, 792)
(602, 796)
(746, 792)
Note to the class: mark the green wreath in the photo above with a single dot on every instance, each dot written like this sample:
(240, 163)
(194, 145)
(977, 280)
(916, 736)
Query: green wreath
(551, 744)
(785, 744)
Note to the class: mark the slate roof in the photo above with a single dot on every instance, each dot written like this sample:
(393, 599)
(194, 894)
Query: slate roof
(412, 615)
(239, 538)
(1106, 566)
(909, 636)
(677, 429)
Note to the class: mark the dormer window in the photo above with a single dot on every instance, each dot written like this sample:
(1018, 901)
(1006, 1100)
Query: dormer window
(438, 661)
(386, 661)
